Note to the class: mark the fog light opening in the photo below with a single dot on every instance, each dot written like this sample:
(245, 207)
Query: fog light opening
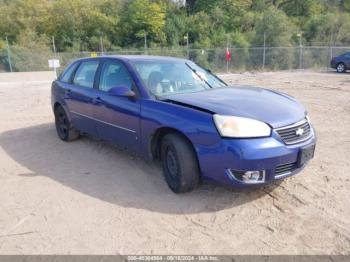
(248, 177)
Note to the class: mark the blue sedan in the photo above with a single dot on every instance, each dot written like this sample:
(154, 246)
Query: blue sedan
(341, 63)
(173, 110)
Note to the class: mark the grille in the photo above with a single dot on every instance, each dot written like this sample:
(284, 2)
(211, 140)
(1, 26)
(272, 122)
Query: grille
(285, 169)
(295, 133)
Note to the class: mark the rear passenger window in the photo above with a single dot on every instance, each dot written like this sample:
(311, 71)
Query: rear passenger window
(67, 74)
(85, 74)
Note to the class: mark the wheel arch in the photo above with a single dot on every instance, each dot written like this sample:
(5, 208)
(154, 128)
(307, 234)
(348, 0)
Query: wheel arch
(342, 62)
(158, 135)
(57, 104)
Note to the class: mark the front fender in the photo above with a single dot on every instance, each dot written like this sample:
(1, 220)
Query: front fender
(196, 125)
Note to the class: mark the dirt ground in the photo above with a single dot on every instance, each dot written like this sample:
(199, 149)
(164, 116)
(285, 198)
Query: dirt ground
(87, 197)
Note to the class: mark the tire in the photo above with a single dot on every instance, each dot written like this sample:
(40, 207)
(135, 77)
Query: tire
(180, 167)
(341, 68)
(65, 130)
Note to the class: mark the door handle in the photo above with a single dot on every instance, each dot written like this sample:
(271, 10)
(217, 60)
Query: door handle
(68, 93)
(97, 100)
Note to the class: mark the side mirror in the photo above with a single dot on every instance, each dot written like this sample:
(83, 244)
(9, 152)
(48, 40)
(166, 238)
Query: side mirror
(121, 91)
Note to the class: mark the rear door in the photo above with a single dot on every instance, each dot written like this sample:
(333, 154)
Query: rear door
(80, 95)
(118, 118)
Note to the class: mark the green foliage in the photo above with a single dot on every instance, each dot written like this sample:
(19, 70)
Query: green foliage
(346, 5)
(2, 44)
(301, 8)
(31, 52)
(18, 15)
(275, 25)
(175, 27)
(278, 31)
(80, 25)
(328, 27)
(142, 17)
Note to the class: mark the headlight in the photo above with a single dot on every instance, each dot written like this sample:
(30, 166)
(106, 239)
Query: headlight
(308, 119)
(232, 126)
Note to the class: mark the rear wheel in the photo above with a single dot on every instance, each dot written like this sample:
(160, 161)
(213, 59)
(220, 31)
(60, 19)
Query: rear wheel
(64, 129)
(341, 68)
(179, 164)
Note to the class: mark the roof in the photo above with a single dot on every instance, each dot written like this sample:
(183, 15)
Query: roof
(140, 58)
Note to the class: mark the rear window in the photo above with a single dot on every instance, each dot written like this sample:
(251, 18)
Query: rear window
(67, 74)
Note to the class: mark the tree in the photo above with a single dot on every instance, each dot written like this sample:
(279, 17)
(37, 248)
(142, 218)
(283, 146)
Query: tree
(304, 8)
(79, 25)
(31, 51)
(190, 5)
(19, 15)
(276, 26)
(278, 31)
(76, 24)
(142, 17)
(328, 27)
(346, 5)
(175, 27)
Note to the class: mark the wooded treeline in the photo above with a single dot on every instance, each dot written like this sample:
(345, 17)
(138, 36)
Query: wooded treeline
(79, 25)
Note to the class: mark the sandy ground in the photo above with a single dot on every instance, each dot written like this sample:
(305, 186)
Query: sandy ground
(89, 197)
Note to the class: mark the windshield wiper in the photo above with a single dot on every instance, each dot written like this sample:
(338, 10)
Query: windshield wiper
(215, 76)
(200, 77)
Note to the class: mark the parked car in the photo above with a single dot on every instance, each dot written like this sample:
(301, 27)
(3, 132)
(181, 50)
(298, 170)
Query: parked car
(341, 63)
(173, 110)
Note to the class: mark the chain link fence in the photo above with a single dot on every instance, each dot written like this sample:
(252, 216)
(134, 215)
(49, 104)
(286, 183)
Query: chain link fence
(242, 59)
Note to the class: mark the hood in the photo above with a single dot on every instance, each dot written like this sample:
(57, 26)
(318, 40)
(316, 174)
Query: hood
(274, 108)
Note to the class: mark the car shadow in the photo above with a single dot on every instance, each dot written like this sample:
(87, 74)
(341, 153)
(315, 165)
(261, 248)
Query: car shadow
(102, 171)
(334, 72)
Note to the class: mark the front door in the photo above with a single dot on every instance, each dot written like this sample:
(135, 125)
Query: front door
(118, 118)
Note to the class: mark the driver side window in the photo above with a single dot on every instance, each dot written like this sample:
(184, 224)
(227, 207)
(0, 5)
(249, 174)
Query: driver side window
(114, 74)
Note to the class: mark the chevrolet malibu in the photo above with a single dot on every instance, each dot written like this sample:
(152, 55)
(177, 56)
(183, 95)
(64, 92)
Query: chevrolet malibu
(173, 110)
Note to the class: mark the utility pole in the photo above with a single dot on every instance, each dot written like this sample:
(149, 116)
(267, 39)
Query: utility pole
(146, 42)
(188, 51)
(8, 54)
(54, 46)
(54, 52)
(101, 45)
(300, 52)
(264, 53)
(331, 48)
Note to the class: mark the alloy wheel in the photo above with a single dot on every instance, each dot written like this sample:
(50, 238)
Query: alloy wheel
(340, 68)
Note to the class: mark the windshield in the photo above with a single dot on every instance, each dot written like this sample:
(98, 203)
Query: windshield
(174, 77)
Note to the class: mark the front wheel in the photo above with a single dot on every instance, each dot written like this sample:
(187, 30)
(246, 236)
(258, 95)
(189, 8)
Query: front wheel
(341, 68)
(64, 129)
(179, 164)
